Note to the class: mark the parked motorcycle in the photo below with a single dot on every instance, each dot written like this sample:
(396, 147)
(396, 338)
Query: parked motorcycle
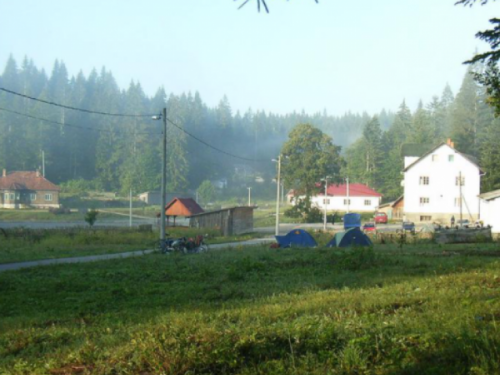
(185, 245)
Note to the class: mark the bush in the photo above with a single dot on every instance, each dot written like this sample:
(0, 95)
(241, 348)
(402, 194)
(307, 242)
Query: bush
(305, 212)
(91, 217)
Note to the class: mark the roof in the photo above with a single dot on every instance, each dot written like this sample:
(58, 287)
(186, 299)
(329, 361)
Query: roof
(415, 149)
(355, 190)
(490, 195)
(225, 209)
(22, 180)
(470, 158)
(182, 207)
(393, 203)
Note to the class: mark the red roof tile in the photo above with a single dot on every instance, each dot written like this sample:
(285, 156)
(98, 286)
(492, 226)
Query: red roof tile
(182, 207)
(355, 190)
(26, 181)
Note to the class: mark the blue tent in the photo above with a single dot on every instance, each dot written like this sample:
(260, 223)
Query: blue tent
(351, 237)
(352, 221)
(296, 238)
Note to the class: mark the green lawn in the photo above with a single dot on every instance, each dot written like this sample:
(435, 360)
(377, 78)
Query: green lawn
(25, 245)
(419, 310)
(44, 215)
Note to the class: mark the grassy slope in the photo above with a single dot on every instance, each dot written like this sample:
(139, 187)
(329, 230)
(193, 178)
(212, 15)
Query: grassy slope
(422, 311)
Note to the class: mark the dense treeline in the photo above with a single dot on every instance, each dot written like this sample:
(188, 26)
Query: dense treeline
(375, 158)
(119, 153)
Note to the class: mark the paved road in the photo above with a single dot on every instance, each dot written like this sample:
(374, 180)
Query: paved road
(95, 258)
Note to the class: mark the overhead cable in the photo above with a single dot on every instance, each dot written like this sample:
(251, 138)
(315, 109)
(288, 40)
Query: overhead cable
(213, 147)
(73, 108)
(74, 126)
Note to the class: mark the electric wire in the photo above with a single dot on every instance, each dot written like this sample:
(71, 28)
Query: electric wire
(74, 126)
(73, 108)
(119, 115)
(213, 147)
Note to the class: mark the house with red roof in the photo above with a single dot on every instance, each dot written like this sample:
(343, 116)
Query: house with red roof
(184, 207)
(27, 190)
(346, 197)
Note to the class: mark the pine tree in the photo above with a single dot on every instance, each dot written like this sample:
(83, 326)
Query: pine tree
(464, 116)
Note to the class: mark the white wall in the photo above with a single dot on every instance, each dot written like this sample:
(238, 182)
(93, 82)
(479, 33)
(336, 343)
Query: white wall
(490, 214)
(442, 189)
(336, 203)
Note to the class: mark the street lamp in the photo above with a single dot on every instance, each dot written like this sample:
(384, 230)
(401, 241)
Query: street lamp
(163, 116)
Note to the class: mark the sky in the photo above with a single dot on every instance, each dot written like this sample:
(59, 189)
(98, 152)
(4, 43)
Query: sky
(338, 55)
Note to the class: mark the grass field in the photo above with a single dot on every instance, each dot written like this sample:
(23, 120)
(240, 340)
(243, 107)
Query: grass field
(419, 310)
(23, 244)
(44, 215)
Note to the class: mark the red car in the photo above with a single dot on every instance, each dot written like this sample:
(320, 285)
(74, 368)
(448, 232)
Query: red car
(381, 218)
(369, 227)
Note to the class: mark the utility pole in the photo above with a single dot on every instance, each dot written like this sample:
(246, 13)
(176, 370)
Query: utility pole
(324, 205)
(277, 231)
(43, 163)
(460, 190)
(348, 199)
(249, 196)
(130, 210)
(163, 176)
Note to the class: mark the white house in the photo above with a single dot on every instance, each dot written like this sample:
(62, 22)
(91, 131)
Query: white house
(490, 210)
(432, 188)
(359, 198)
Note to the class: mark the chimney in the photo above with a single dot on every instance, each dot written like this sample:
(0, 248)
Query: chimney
(37, 173)
(4, 173)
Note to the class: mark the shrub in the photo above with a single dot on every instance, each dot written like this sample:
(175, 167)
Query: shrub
(91, 217)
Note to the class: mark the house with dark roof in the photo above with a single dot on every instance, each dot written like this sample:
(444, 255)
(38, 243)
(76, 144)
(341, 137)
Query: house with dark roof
(441, 184)
(22, 189)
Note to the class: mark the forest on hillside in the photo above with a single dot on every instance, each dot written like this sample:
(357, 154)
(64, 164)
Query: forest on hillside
(119, 153)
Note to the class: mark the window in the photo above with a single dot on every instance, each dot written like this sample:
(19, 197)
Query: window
(451, 158)
(435, 157)
(326, 201)
(457, 181)
(11, 196)
(425, 218)
(6, 196)
(347, 201)
(48, 197)
(457, 202)
(368, 202)
(424, 200)
(424, 180)
(32, 197)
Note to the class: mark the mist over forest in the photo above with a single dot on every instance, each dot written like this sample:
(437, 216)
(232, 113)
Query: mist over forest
(116, 153)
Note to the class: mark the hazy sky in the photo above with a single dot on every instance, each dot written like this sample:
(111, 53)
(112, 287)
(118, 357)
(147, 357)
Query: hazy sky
(337, 55)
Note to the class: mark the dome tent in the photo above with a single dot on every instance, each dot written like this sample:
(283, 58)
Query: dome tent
(296, 238)
(351, 237)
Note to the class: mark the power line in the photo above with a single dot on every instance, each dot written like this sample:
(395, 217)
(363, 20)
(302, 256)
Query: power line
(72, 108)
(117, 115)
(213, 147)
(73, 126)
